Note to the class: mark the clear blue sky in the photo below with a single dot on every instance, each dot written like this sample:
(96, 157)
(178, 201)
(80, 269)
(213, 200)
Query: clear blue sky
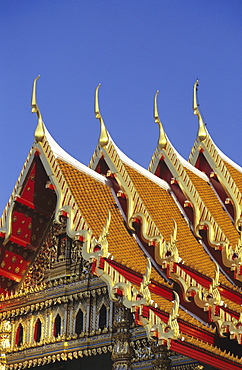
(133, 48)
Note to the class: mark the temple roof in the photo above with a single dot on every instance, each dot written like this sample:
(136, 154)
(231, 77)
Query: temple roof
(160, 239)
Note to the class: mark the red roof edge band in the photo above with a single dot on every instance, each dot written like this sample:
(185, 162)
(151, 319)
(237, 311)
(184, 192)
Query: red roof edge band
(165, 292)
(206, 282)
(186, 328)
(204, 356)
(158, 289)
(136, 278)
(200, 278)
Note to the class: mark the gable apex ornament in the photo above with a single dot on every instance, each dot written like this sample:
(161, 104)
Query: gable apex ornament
(39, 131)
(202, 132)
(162, 137)
(103, 138)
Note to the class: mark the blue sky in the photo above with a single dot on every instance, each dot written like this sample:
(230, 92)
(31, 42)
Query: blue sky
(132, 48)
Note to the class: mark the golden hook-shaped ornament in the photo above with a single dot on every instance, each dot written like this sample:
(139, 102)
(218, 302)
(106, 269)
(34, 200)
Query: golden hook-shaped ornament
(162, 141)
(39, 131)
(103, 138)
(202, 132)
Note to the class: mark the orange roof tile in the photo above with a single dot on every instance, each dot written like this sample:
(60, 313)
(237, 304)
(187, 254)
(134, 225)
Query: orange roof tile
(163, 209)
(166, 306)
(212, 349)
(236, 175)
(94, 200)
(213, 204)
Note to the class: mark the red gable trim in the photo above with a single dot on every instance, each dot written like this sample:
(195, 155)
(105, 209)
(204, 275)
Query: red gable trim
(136, 278)
(206, 282)
(166, 293)
(204, 356)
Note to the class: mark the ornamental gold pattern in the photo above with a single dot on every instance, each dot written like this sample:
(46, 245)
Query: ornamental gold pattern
(121, 241)
(202, 132)
(39, 131)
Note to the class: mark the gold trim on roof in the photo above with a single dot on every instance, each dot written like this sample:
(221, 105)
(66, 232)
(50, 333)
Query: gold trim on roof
(174, 164)
(166, 209)
(165, 252)
(94, 198)
(144, 286)
(162, 137)
(39, 131)
(88, 249)
(136, 208)
(132, 297)
(156, 329)
(6, 219)
(103, 138)
(203, 218)
(207, 299)
(63, 192)
(220, 168)
(222, 171)
(211, 348)
(202, 132)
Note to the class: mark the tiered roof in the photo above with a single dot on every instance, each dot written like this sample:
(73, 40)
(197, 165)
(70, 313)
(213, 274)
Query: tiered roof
(161, 241)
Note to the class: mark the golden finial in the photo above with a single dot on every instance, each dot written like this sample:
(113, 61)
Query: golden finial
(103, 138)
(202, 132)
(39, 131)
(162, 137)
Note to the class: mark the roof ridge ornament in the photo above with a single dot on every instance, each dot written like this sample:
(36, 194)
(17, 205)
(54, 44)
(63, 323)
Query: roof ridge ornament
(39, 131)
(202, 132)
(103, 138)
(162, 141)
(159, 331)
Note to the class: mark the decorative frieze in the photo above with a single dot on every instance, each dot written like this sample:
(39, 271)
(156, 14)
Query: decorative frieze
(122, 350)
(161, 360)
(62, 356)
(159, 331)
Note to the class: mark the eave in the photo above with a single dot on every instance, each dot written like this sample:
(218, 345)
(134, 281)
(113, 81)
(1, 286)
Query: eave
(178, 174)
(113, 163)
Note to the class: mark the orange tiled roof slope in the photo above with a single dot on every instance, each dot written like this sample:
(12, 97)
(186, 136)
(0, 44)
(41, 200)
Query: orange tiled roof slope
(208, 212)
(80, 185)
(213, 204)
(225, 178)
(235, 174)
(143, 223)
(94, 200)
(206, 156)
(154, 199)
(163, 209)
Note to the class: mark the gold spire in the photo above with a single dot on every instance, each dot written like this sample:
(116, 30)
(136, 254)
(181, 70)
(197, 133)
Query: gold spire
(39, 131)
(202, 132)
(103, 138)
(162, 137)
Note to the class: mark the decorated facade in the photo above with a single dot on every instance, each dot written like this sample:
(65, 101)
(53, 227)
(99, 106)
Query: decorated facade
(113, 266)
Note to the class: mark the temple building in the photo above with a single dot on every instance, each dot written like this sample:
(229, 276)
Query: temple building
(113, 266)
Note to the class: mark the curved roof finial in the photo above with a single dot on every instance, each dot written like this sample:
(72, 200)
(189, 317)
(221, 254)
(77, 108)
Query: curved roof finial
(202, 132)
(103, 138)
(162, 141)
(39, 131)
